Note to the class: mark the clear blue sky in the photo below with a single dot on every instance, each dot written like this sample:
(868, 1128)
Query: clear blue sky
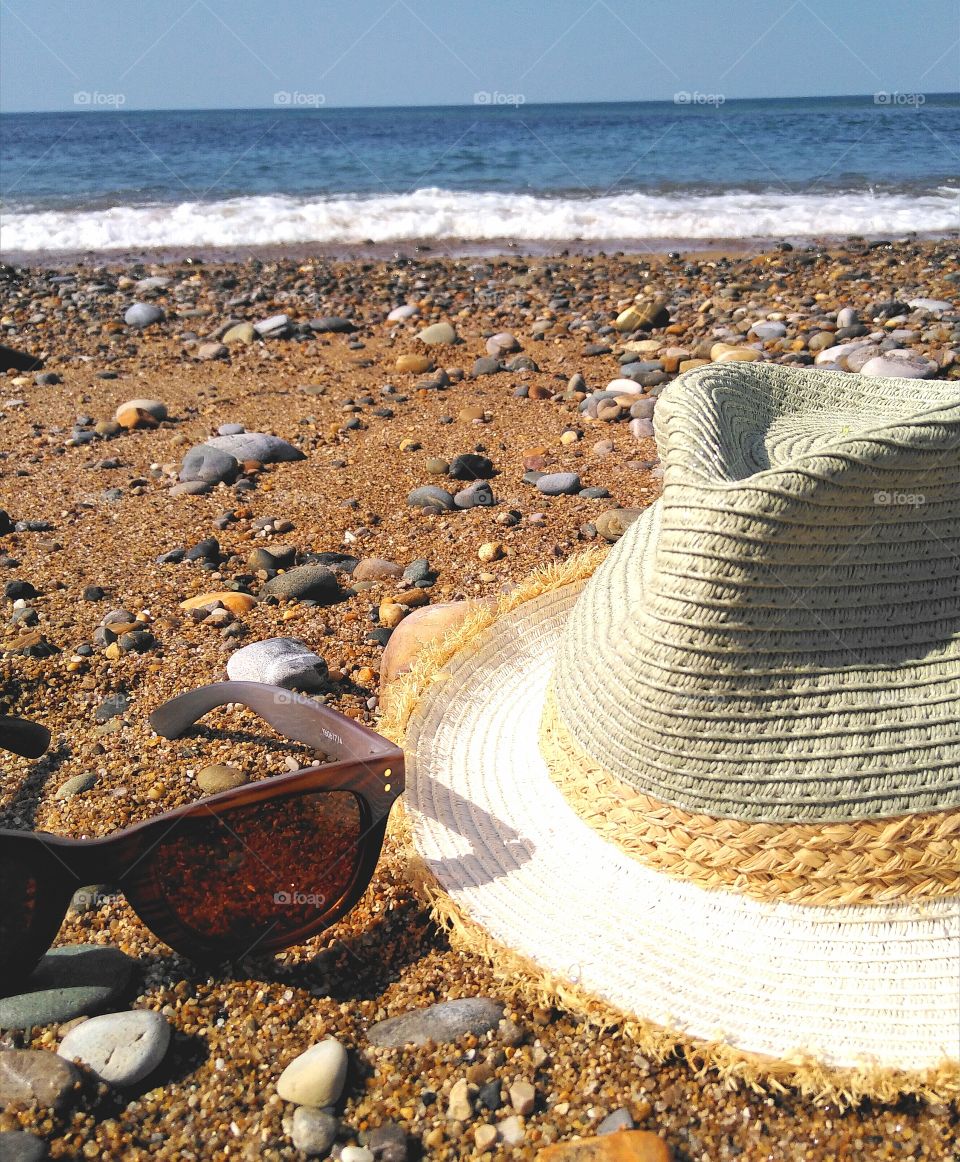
(239, 53)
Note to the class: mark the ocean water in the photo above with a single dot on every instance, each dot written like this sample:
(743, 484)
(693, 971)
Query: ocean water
(115, 179)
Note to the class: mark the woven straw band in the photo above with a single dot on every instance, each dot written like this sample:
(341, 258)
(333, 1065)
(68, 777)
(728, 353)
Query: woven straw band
(778, 639)
(870, 861)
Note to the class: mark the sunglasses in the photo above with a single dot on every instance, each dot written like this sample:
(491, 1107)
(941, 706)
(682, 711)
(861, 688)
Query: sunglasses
(255, 869)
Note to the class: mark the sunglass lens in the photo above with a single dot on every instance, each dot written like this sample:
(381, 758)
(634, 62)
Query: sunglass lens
(262, 872)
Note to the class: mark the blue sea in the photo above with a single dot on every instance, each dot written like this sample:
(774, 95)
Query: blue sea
(105, 178)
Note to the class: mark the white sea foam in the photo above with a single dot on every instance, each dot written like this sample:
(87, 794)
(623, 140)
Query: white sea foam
(445, 214)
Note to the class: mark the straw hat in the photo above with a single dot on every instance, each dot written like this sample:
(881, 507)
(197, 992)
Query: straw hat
(712, 783)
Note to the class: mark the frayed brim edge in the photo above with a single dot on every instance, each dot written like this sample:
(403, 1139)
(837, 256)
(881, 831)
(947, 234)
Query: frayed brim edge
(735, 1068)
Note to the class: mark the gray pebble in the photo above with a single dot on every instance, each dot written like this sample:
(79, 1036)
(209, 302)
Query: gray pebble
(475, 495)
(387, 1142)
(305, 583)
(72, 981)
(313, 1131)
(19, 1146)
(279, 661)
(618, 1120)
(77, 785)
(231, 430)
(209, 465)
(431, 496)
(559, 483)
(143, 315)
(113, 705)
(256, 446)
(487, 365)
(442, 1022)
(120, 1048)
(418, 573)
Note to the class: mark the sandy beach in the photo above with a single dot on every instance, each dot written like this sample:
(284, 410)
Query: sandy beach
(94, 504)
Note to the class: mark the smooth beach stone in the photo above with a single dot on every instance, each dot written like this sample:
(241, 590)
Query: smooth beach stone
(273, 326)
(847, 317)
(418, 573)
(143, 315)
(404, 311)
(231, 430)
(620, 1119)
(936, 306)
(305, 583)
(313, 1131)
(476, 495)
(36, 1077)
(502, 343)
(152, 282)
(357, 1154)
(255, 446)
(436, 467)
(470, 466)
(767, 330)
(278, 661)
(442, 1022)
(419, 628)
(219, 777)
(76, 785)
(228, 598)
(415, 363)
(643, 409)
(72, 981)
(239, 335)
(840, 351)
(332, 324)
(387, 1142)
(856, 359)
(431, 496)
(623, 386)
(487, 365)
(900, 364)
(120, 1048)
(612, 524)
(19, 1146)
(207, 352)
(437, 333)
(641, 429)
(152, 407)
(559, 483)
(208, 465)
(190, 488)
(376, 569)
(315, 1078)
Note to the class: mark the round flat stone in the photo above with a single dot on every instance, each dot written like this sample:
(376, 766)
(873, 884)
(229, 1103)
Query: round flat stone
(120, 1048)
(559, 483)
(438, 333)
(431, 496)
(143, 315)
(72, 981)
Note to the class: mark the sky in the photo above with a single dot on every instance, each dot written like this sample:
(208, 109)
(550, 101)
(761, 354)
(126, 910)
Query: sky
(197, 54)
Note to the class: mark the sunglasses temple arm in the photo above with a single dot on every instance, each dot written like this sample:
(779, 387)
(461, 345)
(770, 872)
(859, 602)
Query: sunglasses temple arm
(290, 714)
(28, 739)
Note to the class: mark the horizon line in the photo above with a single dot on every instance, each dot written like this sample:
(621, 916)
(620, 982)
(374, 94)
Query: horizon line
(476, 105)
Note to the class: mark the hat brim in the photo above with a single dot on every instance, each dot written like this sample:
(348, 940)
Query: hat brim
(844, 1001)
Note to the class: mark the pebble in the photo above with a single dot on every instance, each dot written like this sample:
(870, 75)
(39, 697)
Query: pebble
(19, 1146)
(460, 1101)
(376, 569)
(120, 1048)
(487, 365)
(418, 573)
(143, 315)
(436, 467)
(304, 582)
(315, 1078)
(936, 306)
(623, 387)
(255, 446)
(767, 330)
(76, 785)
(431, 496)
(512, 1130)
(153, 407)
(35, 1077)
(278, 661)
(617, 1120)
(207, 352)
(240, 335)
(313, 1131)
(113, 706)
(332, 324)
(229, 598)
(356, 1154)
(503, 343)
(387, 1142)
(403, 312)
(470, 466)
(219, 777)
(491, 551)
(523, 1097)
(442, 1022)
(476, 495)
(415, 363)
(559, 483)
(273, 327)
(418, 628)
(208, 465)
(641, 429)
(70, 981)
(485, 1137)
(900, 364)
(613, 523)
(438, 333)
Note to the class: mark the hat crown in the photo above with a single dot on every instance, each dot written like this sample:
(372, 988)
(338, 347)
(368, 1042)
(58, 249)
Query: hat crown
(787, 644)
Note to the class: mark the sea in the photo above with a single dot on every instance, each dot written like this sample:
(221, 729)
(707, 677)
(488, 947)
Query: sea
(496, 174)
